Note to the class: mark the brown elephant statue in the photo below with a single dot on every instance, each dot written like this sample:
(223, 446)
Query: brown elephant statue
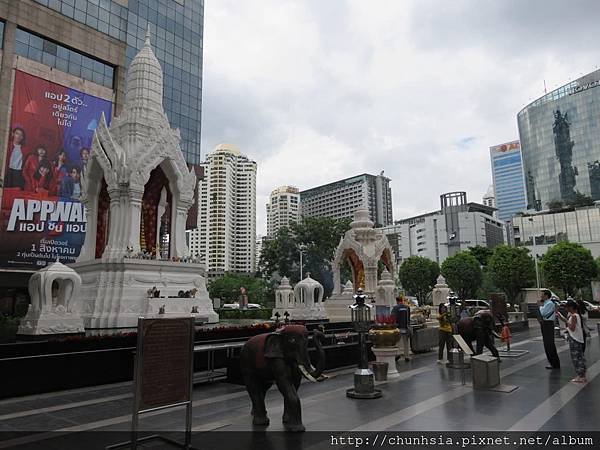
(282, 358)
(481, 328)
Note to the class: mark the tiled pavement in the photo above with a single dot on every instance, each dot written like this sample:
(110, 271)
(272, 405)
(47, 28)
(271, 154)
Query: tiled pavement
(426, 397)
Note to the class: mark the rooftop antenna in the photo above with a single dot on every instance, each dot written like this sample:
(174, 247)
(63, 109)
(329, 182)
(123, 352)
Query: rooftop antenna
(545, 91)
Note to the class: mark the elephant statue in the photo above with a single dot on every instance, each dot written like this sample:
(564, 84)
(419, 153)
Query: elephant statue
(282, 358)
(480, 328)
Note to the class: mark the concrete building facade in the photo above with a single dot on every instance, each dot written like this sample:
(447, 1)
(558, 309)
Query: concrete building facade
(226, 233)
(341, 199)
(283, 208)
(437, 235)
(580, 225)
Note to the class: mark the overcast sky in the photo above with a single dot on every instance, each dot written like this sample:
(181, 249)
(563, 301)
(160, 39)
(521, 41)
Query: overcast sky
(319, 90)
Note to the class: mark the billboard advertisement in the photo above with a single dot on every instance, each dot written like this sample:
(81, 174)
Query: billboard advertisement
(51, 132)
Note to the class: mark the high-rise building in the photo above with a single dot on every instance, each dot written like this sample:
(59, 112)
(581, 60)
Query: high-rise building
(509, 183)
(455, 227)
(282, 209)
(226, 233)
(89, 44)
(341, 198)
(560, 144)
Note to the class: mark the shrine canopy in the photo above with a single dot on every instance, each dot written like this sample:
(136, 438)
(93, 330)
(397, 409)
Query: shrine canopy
(363, 247)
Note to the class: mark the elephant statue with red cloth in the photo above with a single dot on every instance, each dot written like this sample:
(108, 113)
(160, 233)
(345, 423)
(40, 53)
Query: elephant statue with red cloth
(282, 358)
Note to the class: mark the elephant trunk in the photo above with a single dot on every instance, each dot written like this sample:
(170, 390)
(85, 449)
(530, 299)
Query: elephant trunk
(311, 373)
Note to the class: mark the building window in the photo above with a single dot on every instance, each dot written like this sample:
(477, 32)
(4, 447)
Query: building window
(1, 34)
(70, 61)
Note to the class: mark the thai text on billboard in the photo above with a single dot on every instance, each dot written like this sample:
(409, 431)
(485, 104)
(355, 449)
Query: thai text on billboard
(51, 132)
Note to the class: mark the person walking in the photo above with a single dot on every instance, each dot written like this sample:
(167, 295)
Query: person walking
(547, 317)
(444, 334)
(576, 340)
(402, 314)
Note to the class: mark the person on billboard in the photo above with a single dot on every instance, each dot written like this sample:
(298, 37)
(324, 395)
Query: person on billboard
(42, 178)
(31, 166)
(75, 145)
(60, 168)
(85, 157)
(14, 174)
(69, 186)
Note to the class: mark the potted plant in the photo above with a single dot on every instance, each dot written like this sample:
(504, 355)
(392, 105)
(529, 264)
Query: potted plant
(385, 332)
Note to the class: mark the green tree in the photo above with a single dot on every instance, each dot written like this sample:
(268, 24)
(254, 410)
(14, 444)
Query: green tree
(569, 266)
(482, 254)
(463, 274)
(511, 269)
(227, 288)
(418, 276)
(320, 236)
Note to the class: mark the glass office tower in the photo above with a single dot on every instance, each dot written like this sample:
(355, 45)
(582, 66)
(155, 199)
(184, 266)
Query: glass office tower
(177, 39)
(509, 185)
(560, 144)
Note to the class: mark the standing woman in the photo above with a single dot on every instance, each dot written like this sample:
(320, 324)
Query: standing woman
(576, 340)
(444, 334)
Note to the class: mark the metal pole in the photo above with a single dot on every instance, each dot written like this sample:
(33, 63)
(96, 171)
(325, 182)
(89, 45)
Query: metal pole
(301, 265)
(537, 272)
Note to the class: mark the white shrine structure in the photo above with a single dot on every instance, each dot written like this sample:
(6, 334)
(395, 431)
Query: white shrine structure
(53, 309)
(303, 302)
(363, 247)
(137, 190)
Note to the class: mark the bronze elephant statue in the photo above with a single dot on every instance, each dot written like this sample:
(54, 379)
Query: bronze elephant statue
(481, 328)
(282, 358)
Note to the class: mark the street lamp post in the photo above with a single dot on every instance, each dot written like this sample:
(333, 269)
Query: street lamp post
(364, 383)
(537, 272)
(301, 250)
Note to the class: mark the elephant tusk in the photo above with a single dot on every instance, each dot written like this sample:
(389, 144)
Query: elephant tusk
(307, 375)
(496, 335)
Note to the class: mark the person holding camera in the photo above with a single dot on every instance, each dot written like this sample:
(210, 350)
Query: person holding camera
(576, 338)
(547, 312)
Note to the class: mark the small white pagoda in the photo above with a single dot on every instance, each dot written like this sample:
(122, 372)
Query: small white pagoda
(53, 309)
(137, 190)
(303, 302)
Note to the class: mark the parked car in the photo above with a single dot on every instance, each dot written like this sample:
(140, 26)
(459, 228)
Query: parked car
(237, 306)
(479, 304)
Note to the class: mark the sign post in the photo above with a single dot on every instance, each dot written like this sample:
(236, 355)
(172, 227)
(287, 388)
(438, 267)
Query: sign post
(163, 373)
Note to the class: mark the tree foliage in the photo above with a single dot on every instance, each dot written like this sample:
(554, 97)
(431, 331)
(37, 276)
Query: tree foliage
(569, 266)
(463, 274)
(321, 236)
(227, 288)
(418, 276)
(483, 254)
(511, 269)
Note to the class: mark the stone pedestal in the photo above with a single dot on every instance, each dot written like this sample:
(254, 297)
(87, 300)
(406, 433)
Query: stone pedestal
(114, 295)
(387, 355)
(337, 306)
(485, 371)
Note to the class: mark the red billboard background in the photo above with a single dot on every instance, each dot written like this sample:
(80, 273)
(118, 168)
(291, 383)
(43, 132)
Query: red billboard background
(41, 217)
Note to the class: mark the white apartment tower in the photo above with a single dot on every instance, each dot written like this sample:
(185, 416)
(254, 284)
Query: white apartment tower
(283, 208)
(226, 234)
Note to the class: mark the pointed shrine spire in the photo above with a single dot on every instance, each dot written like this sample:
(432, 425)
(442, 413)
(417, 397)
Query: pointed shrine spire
(144, 87)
